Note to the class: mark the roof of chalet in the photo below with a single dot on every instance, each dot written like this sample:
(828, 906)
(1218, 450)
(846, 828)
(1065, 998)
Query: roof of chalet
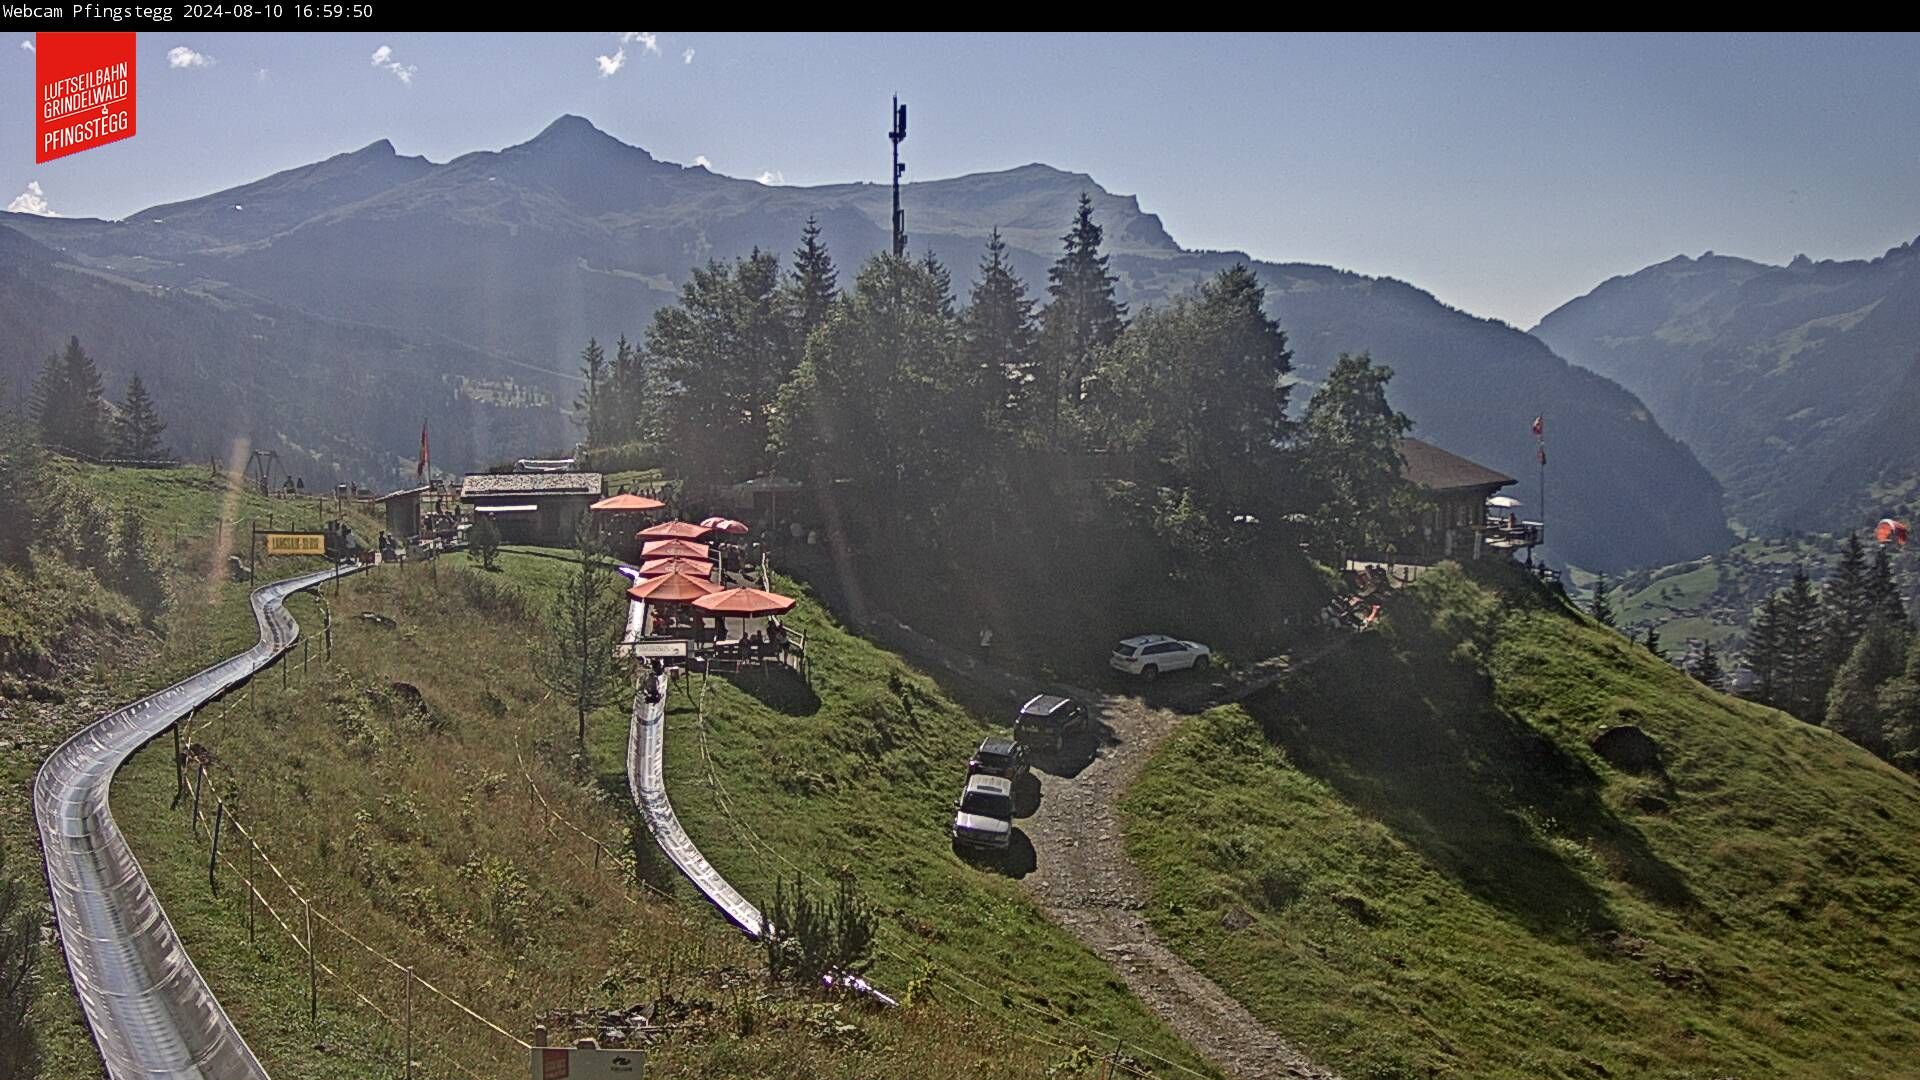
(1438, 470)
(498, 485)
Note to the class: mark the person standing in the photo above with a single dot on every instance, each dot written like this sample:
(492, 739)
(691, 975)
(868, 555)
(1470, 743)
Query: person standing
(986, 644)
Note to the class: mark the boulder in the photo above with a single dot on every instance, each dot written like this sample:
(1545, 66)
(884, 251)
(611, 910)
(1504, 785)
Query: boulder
(1627, 747)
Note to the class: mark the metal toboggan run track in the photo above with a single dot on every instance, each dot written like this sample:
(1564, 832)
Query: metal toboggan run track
(152, 1014)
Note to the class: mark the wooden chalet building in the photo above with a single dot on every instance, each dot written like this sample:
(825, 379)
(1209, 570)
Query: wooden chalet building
(532, 507)
(1456, 523)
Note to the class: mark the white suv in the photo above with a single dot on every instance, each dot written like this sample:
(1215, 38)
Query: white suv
(1150, 654)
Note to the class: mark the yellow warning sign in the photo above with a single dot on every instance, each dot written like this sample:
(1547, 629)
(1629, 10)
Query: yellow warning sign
(285, 543)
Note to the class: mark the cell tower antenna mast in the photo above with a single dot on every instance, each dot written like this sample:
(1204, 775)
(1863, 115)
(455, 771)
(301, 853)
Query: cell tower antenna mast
(898, 135)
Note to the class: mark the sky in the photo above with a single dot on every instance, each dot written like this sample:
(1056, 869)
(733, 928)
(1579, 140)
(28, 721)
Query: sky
(1504, 174)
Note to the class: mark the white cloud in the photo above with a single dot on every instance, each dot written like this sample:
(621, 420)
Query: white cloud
(687, 57)
(182, 57)
(772, 177)
(383, 58)
(701, 160)
(260, 75)
(610, 64)
(28, 45)
(31, 201)
(648, 41)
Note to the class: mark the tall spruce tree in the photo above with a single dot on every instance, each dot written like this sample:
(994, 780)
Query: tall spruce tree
(1601, 606)
(1883, 590)
(1080, 319)
(1801, 663)
(1653, 642)
(589, 408)
(1706, 667)
(136, 430)
(1846, 603)
(1000, 338)
(68, 406)
(813, 285)
(1763, 649)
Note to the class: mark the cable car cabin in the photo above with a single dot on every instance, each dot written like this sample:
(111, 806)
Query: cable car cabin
(532, 508)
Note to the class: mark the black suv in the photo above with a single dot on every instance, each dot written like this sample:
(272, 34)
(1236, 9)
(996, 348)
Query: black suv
(999, 756)
(1047, 721)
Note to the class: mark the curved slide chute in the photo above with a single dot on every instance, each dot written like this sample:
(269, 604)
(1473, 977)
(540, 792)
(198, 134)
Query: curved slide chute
(152, 1014)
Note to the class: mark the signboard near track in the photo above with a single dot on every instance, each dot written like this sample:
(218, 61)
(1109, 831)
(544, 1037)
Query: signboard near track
(292, 543)
(571, 1063)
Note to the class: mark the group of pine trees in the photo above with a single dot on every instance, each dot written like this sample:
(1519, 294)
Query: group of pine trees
(70, 412)
(1844, 655)
(922, 402)
(44, 515)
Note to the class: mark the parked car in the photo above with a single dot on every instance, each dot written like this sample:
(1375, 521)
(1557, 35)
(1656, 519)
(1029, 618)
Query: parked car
(983, 818)
(999, 756)
(1150, 655)
(1047, 721)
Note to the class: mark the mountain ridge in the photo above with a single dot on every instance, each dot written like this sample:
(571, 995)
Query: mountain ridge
(526, 251)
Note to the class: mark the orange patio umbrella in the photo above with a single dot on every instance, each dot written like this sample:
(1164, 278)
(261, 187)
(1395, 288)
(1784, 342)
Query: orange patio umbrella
(673, 549)
(744, 603)
(692, 567)
(672, 530)
(672, 589)
(616, 504)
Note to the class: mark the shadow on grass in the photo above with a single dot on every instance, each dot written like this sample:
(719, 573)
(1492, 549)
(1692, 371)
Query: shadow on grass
(1016, 862)
(1421, 746)
(779, 688)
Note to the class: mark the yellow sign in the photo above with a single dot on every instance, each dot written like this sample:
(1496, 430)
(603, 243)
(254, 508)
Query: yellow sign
(279, 543)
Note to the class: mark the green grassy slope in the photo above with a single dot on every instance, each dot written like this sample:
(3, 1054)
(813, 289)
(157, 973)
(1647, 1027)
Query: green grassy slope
(856, 774)
(1410, 860)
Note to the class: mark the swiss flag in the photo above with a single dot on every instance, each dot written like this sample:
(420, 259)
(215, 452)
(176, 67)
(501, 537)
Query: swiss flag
(1539, 426)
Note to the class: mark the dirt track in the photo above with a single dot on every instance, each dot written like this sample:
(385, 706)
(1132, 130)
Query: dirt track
(1086, 883)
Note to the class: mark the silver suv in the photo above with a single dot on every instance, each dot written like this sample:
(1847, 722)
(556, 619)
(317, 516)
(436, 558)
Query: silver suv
(983, 818)
(1151, 654)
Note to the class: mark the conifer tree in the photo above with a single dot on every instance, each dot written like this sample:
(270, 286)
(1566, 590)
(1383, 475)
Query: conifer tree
(813, 285)
(1846, 602)
(136, 431)
(1801, 663)
(585, 619)
(1601, 606)
(589, 407)
(1081, 318)
(68, 405)
(1000, 335)
(1706, 667)
(1882, 590)
(1653, 642)
(1763, 650)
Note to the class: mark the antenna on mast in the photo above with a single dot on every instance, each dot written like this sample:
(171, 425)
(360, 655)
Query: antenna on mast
(898, 135)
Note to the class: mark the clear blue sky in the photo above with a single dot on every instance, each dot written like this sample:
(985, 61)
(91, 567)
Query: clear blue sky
(1504, 174)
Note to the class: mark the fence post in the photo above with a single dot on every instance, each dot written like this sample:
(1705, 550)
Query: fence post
(213, 854)
(306, 658)
(409, 1022)
(251, 846)
(179, 769)
(313, 985)
(283, 673)
(199, 782)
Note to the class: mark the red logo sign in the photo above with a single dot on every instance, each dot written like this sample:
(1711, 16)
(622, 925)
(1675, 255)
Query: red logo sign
(84, 96)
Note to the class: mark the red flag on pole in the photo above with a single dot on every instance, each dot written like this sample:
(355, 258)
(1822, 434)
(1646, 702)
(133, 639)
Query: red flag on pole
(1543, 455)
(1539, 426)
(420, 470)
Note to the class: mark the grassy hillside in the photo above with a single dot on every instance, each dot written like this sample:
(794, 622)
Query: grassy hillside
(1411, 862)
(390, 783)
(78, 649)
(856, 775)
